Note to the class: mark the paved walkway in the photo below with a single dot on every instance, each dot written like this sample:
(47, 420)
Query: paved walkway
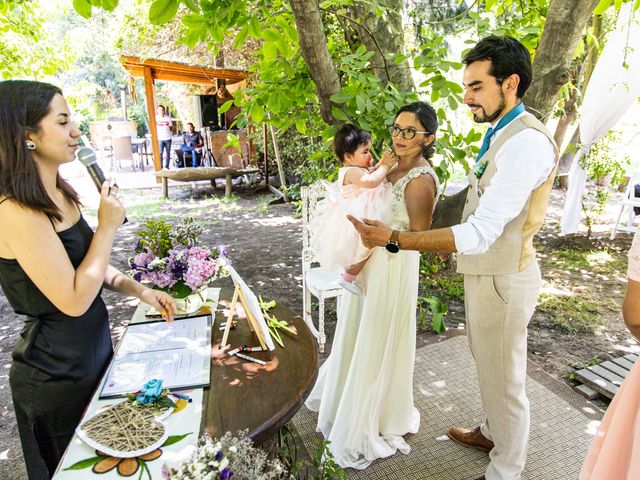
(446, 394)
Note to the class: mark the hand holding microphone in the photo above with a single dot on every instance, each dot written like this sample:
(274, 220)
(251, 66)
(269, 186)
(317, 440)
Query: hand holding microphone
(88, 158)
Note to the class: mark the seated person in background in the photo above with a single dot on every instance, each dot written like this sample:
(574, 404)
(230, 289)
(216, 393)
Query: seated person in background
(192, 143)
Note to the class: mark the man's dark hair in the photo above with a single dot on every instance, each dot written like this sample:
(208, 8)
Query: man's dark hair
(507, 55)
(348, 139)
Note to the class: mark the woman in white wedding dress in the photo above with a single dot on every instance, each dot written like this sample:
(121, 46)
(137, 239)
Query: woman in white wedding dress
(364, 391)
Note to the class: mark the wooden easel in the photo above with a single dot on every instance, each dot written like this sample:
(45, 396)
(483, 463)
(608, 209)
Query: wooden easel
(253, 323)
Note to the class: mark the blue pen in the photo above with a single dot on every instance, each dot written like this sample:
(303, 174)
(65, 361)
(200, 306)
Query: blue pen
(181, 395)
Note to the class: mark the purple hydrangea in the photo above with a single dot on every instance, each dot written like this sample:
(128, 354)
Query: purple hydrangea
(189, 266)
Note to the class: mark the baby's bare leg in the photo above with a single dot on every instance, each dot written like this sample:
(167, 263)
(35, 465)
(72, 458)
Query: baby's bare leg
(355, 268)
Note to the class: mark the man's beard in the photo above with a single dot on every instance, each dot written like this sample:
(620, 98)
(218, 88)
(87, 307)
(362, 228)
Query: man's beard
(490, 117)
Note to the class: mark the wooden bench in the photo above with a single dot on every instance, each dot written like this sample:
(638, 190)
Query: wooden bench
(604, 379)
(191, 174)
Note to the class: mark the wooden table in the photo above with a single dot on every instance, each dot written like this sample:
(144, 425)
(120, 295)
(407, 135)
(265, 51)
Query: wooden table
(245, 395)
(190, 174)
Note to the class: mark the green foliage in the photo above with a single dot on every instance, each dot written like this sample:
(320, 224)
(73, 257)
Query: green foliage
(281, 93)
(603, 161)
(599, 262)
(432, 306)
(441, 286)
(606, 167)
(573, 314)
(155, 235)
(27, 48)
(160, 236)
(325, 464)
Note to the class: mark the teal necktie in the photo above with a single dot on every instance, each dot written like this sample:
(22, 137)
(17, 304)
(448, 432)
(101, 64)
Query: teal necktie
(504, 121)
(486, 141)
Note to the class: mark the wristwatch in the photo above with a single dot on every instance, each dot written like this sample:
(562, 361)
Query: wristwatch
(392, 244)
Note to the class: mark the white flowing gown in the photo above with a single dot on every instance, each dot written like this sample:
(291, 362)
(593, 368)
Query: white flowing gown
(364, 391)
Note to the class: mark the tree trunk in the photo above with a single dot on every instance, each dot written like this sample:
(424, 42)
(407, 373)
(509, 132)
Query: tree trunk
(568, 156)
(563, 28)
(315, 50)
(386, 39)
(566, 159)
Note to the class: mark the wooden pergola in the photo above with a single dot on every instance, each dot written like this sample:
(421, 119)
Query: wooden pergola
(152, 70)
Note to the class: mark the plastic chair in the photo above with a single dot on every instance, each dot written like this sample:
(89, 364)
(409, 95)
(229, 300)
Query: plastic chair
(318, 281)
(122, 151)
(629, 201)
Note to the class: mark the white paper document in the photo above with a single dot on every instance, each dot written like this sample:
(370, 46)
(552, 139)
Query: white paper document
(179, 354)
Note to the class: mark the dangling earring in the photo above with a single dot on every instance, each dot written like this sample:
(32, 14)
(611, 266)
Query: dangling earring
(30, 145)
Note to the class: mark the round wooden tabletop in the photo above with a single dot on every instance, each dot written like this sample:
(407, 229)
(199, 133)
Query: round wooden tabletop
(259, 398)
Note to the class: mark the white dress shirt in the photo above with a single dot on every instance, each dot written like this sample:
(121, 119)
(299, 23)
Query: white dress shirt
(522, 164)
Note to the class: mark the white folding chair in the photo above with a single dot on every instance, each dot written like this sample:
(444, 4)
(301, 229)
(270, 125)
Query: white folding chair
(629, 201)
(318, 281)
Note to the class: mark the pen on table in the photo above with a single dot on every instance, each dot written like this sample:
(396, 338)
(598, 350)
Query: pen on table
(182, 396)
(251, 359)
(251, 349)
(235, 350)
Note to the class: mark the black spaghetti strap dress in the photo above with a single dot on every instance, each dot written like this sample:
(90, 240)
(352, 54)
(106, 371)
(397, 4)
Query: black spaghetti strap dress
(58, 360)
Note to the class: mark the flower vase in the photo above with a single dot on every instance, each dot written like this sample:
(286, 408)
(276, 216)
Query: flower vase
(192, 303)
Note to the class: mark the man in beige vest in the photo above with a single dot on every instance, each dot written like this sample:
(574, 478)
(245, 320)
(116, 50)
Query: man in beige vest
(505, 206)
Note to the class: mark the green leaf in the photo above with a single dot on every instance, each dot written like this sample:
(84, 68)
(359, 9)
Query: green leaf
(162, 11)
(89, 462)
(174, 439)
(83, 7)
(301, 126)
(109, 5)
(339, 114)
(191, 5)
(602, 7)
(256, 112)
(452, 102)
(241, 37)
(340, 97)
(272, 35)
(225, 106)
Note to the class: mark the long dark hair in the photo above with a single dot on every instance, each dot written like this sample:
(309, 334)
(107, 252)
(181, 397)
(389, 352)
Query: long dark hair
(428, 117)
(23, 105)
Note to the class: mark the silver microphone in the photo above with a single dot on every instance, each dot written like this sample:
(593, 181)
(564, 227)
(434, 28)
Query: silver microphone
(88, 158)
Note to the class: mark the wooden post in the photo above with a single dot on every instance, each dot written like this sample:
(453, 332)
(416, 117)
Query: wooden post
(232, 311)
(265, 144)
(150, 92)
(283, 181)
(165, 187)
(228, 185)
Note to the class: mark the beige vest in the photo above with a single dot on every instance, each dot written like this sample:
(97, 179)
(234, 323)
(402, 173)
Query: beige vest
(513, 251)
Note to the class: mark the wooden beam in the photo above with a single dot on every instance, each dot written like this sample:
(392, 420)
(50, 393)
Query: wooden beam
(179, 72)
(150, 92)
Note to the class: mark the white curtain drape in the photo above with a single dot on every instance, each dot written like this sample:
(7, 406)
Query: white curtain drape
(614, 86)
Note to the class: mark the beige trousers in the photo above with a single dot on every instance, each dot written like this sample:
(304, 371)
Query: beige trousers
(498, 310)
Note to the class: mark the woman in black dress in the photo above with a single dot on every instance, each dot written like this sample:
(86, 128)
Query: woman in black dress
(52, 270)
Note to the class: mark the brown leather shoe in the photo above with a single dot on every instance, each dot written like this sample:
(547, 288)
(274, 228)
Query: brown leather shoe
(470, 438)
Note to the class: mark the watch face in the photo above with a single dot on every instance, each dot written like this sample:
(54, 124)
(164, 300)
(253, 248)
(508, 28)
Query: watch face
(392, 247)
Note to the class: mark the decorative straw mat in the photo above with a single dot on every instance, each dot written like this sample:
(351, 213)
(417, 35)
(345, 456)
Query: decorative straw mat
(446, 394)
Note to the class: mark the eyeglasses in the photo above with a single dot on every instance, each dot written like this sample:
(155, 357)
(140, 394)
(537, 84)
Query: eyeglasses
(407, 133)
